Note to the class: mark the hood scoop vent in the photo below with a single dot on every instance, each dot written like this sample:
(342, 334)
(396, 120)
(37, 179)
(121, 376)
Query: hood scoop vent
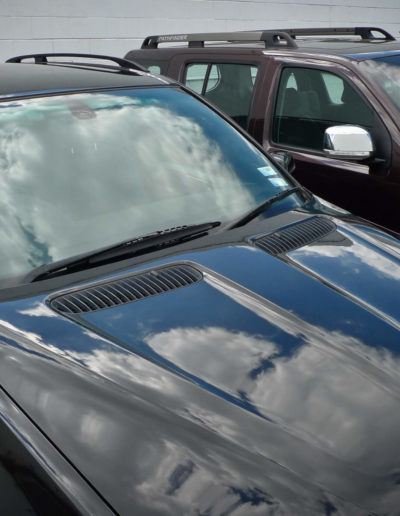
(295, 236)
(131, 288)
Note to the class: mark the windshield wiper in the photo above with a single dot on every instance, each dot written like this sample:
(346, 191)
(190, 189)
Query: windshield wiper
(140, 245)
(252, 214)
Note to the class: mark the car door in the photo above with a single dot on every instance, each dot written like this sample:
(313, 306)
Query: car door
(306, 100)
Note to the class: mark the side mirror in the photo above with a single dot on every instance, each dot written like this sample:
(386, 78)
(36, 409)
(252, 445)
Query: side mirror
(349, 142)
(285, 160)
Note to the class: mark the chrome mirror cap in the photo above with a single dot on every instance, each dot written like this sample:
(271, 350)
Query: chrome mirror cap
(348, 142)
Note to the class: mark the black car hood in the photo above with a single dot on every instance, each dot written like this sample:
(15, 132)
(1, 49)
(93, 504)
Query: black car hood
(271, 385)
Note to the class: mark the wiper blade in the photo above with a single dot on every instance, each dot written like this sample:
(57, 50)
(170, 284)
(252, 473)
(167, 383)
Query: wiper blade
(252, 214)
(140, 245)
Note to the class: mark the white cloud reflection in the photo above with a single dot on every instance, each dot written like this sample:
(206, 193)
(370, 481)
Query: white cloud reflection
(39, 309)
(70, 184)
(324, 407)
(385, 75)
(332, 392)
(384, 262)
(232, 353)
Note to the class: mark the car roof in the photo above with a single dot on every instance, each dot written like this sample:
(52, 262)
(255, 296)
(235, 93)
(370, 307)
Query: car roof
(24, 78)
(346, 47)
(352, 42)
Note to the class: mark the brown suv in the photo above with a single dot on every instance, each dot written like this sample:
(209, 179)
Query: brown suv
(329, 96)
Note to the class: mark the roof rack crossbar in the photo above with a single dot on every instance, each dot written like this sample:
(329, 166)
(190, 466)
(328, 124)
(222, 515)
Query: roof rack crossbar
(363, 32)
(268, 37)
(43, 59)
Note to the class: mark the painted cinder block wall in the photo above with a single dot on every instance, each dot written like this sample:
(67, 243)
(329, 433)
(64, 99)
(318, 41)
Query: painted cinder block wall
(115, 26)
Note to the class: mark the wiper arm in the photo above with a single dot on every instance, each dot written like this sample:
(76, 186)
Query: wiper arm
(139, 245)
(252, 214)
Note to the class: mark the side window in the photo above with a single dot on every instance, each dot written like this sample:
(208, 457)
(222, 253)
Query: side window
(152, 65)
(229, 86)
(154, 69)
(213, 79)
(311, 100)
(195, 76)
(334, 86)
(291, 82)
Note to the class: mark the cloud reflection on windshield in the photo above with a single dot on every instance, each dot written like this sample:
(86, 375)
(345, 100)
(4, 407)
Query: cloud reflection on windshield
(71, 184)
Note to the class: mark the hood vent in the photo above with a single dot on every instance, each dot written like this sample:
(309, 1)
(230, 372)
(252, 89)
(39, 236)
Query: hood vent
(295, 236)
(126, 290)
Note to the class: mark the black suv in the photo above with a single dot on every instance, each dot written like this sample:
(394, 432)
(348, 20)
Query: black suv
(329, 96)
(184, 329)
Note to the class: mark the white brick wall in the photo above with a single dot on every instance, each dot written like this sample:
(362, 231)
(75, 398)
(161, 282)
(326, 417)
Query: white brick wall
(115, 26)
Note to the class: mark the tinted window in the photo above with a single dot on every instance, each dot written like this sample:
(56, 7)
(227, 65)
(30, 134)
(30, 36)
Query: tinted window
(229, 86)
(309, 101)
(154, 69)
(197, 77)
(334, 87)
(152, 65)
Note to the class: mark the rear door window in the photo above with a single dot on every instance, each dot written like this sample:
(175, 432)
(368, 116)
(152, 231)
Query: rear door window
(229, 86)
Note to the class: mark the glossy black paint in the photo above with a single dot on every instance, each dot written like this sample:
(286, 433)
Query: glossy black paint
(34, 477)
(271, 386)
(27, 78)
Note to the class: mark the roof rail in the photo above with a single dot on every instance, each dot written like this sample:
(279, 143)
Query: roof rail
(123, 64)
(268, 37)
(364, 32)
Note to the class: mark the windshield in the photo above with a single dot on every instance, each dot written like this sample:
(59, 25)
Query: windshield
(84, 171)
(385, 72)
